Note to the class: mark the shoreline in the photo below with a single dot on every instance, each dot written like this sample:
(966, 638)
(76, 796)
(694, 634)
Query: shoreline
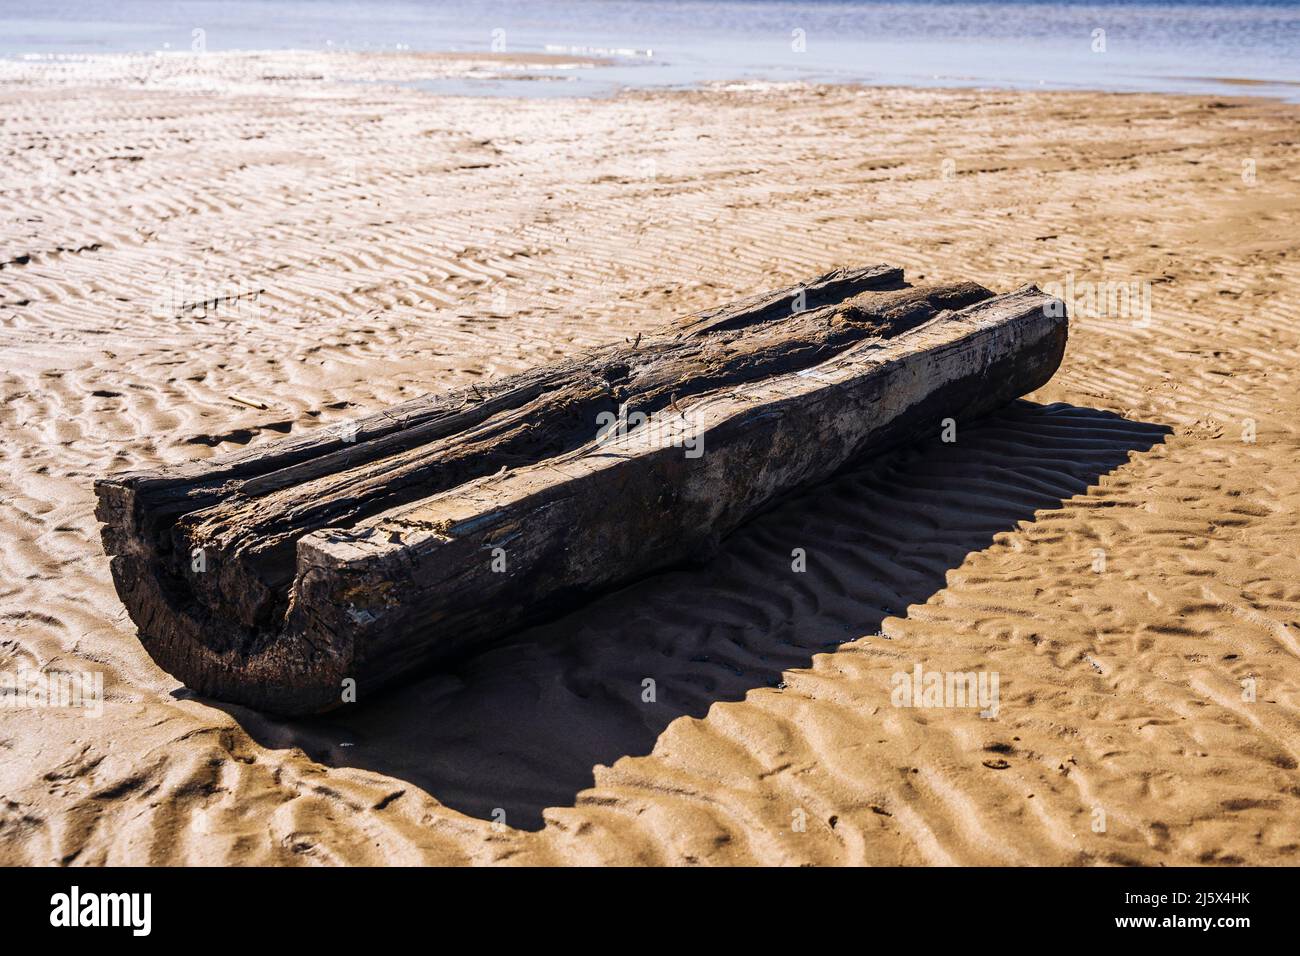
(523, 66)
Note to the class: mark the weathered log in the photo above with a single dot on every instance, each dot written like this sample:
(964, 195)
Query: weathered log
(409, 537)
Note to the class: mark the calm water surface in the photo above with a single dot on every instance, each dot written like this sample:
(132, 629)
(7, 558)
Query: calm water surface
(1229, 46)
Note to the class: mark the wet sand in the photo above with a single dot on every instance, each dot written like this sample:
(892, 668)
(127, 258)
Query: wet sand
(304, 233)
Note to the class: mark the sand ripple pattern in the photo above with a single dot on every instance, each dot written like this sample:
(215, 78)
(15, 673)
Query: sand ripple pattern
(306, 233)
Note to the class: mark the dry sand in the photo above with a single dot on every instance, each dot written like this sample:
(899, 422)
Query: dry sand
(1115, 549)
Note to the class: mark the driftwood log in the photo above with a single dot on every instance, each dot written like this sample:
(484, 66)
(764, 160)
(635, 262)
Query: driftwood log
(272, 576)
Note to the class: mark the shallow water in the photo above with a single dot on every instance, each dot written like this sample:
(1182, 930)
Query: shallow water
(1171, 46)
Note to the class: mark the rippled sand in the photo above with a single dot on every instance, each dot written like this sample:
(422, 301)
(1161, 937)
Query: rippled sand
(303, 233)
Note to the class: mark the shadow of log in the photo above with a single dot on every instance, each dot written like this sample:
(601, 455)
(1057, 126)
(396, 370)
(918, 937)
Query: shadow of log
(521, 727)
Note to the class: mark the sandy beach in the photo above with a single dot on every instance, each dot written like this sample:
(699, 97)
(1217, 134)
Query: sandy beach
(202, 252)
